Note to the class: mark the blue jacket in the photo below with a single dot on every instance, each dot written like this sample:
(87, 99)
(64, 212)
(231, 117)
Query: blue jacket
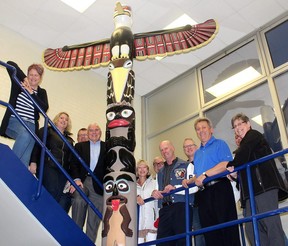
(181, 170)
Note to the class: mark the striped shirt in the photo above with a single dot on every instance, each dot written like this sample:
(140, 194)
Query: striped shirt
(24, 107)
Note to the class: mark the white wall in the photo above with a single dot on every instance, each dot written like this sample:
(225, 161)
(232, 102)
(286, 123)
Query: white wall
(82, 94)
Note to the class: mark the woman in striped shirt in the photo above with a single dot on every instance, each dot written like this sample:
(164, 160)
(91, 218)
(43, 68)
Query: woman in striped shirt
(10, 126)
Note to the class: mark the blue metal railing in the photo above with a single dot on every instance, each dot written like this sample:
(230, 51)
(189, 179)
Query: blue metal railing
(45, 150)
(253, 218)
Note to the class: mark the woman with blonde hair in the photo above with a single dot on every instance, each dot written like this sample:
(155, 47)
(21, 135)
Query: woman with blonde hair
(148, 211)
(53, 179)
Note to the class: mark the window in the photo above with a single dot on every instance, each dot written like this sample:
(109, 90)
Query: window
(277, 41)
(232, 72)
(255, 103)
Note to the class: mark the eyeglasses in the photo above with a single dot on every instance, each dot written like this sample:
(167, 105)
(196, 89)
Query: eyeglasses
(158, 163)
(239, 124)
(189, 146)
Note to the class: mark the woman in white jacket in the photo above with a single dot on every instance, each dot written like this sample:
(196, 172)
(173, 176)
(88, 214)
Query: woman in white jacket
(148, 212)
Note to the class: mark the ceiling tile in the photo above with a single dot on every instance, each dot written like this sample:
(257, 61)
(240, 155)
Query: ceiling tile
(53, 24)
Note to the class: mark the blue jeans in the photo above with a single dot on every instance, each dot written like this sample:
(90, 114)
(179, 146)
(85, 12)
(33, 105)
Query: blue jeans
(24, 142)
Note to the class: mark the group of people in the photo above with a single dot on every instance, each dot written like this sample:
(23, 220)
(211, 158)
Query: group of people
(214, 202)
(89, 146)
(210, 203)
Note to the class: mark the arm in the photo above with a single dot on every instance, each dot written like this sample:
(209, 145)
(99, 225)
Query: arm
(19, 73)
(41, 99)
(251, 140)
(75, 166)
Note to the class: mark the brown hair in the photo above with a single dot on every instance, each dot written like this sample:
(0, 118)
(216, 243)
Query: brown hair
(38, 67)
(203, 119)
(239, 116)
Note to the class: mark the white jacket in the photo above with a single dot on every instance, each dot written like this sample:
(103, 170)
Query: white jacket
(148, 212)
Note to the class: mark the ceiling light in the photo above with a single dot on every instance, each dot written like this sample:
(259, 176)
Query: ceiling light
(183, 20)
(258, 119)
(79, 5)
(235, 81)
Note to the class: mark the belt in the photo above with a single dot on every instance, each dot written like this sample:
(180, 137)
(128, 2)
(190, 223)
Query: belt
(213, 182)
(164, 204)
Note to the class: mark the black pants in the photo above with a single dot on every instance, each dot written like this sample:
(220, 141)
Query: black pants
(217, 205)
(172, 222)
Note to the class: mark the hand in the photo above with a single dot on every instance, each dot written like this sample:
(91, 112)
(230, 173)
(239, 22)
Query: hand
(32, 167)
(168, 188)
(25, 84)
(185, 183)
(230, 169)
(157, 194)
(199, 180)
(79, 183)
(140, 200)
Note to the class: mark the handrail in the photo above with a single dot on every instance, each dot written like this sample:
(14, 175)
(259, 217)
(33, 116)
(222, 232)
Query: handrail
(253, 218)
(46, 150)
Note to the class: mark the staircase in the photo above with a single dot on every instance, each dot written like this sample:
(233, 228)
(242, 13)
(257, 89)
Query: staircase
(29, 221)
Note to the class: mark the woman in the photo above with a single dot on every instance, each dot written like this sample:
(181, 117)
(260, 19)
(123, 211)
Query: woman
(267, 183)
(148, 211)
(10, 126)
(53, 179)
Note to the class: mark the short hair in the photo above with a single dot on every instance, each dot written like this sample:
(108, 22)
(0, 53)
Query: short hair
(38, 67)
(146, 164)
(239, 116)
(69, 125)
(203, 119)
(191, 139)
(82, 129)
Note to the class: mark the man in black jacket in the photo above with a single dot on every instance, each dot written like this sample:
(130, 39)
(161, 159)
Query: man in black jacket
(93, 154)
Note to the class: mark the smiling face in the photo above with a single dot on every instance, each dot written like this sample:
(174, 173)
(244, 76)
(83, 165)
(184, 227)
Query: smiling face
(204, 131)
(94, 133)
(241, 127)
(189, 148)
(34, 78)
(62, 122)
(167, 151)
(142, 169)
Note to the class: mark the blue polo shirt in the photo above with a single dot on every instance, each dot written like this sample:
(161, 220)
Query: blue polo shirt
(209, 155)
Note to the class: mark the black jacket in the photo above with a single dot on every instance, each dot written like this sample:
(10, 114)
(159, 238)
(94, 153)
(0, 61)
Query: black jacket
(57, 147)
(78, 171)
(40, 98)
(265, 176)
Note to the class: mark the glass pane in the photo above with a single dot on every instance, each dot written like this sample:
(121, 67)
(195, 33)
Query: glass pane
(256, 104)
(176, 135)
(277, 41)
(282, 88)
(171, 104)
(231, 72)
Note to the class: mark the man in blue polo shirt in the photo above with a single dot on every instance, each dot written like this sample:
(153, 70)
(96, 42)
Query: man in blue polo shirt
(216, 200)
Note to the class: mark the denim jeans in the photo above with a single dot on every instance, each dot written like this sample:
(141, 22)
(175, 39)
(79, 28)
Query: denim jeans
(24, 142)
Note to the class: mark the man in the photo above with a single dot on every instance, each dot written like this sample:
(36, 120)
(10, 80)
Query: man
(172, 213)
(93, 154)
(190, 148)
(216, 201)
(158, 163)
(82, 135)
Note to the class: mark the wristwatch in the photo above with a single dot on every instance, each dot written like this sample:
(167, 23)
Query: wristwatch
(205, 175)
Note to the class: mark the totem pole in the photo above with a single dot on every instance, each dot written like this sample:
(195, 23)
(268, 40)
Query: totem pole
(118, 52)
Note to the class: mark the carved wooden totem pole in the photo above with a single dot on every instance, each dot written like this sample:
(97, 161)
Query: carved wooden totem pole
(118, 52)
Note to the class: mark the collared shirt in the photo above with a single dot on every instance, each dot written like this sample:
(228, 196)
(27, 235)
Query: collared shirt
(209, 155)
(94, 154)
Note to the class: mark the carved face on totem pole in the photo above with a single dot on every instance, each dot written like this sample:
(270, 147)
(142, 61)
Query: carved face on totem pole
(120, 219)
(118, 52)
